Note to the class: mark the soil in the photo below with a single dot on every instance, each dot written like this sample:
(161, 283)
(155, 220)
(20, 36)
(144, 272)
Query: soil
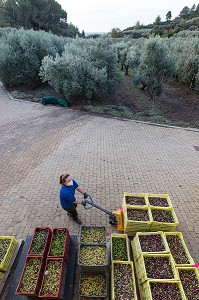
(177, 105)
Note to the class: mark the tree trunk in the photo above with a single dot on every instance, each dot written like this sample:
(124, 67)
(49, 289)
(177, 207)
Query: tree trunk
(126, 69)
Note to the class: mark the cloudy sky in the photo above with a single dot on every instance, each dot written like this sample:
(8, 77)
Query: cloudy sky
(103, 15)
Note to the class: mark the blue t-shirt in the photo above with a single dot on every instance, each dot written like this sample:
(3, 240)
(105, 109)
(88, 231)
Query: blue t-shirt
(67, 194)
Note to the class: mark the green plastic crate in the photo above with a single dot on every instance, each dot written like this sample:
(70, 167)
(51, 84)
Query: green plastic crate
(120, 236)
(136, 246)
(4, 263)
(112, 278)
(141, 269)
(146, 288)
(180, 235)
(164, 226)
(135, 226)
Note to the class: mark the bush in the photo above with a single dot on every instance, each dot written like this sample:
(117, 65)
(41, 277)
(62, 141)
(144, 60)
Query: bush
(21, 53)
(86, 68)
(156, 63)
(186, 51)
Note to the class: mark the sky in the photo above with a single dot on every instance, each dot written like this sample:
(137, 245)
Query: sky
(104, 15)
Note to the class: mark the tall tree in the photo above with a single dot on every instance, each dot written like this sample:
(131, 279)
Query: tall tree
(46, 15)
(184, 12)
(168, 16)
(157, 20)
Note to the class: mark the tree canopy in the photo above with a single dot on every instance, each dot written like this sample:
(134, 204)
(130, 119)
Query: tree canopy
(45, 15)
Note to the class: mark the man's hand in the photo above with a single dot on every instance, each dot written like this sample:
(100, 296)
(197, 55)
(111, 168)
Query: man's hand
(85, 195)
(83, 203)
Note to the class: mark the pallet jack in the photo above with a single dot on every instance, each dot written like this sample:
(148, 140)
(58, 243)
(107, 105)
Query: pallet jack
(115, 217)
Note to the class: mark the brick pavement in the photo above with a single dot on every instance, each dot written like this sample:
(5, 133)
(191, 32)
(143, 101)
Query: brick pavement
(106, 156)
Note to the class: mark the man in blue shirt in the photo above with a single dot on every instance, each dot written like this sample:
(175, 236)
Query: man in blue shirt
(67, 196)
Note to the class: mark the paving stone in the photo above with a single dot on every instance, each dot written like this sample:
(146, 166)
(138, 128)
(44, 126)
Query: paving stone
(106, 156)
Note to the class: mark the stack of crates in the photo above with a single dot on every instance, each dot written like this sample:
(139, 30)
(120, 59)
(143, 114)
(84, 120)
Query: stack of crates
(39, 258)
(139, 203)
(163, 204)
(150, 247)
(121, 266)
(93, 262)
(149, 204)
(8, 245)
(35, 259)
(58, 258)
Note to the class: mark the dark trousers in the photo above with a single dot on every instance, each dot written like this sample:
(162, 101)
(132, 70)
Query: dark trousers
(72, 210)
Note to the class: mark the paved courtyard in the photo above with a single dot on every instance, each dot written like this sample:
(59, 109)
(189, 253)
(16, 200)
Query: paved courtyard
(106, 156)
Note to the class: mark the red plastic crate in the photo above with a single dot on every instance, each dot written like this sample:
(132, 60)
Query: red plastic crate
(38, 281)
(47, 243)
(66, 247)
(61, 278)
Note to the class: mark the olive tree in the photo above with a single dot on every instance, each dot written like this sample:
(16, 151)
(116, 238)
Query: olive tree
(86, 69)
(21, 53)
(186, 51)
(156, 64)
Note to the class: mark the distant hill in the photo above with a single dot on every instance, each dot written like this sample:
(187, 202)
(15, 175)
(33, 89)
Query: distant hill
(95, 33)
(188, 19)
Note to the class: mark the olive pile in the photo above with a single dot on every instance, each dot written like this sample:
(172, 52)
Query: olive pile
(93, 285)
(157, 201)
(190, 283)
(165, 291)
(137, 214)
(135, 200)
(177, 249)
(4, 244)
(93, 235)
(151, 243)
(92, 255)
(39, 241)
(58, 243)
(123, 282)
(52, 278)
(158, 267)
(119, 249)
(30, 276)
(162, 216)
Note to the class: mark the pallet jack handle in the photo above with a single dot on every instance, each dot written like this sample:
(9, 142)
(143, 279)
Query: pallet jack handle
(90, 204)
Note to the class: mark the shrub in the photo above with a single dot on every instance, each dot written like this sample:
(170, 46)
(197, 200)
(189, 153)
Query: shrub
(21, 53)
(86, 68)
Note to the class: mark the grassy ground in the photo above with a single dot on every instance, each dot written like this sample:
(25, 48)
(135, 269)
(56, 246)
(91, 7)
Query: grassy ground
(176, 106)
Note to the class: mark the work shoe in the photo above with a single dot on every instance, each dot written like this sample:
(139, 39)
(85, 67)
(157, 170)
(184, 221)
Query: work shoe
(78, 221)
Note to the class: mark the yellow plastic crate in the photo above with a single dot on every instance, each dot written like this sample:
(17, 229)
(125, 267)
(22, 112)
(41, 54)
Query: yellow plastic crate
(135, 226)
(8, 256)
(124, 204)
(141, 269)
(163, 226)
(120, 236)
(180, 235)
(136, 246)
(146, 288)
(165, 196)
(112, 278)
(196, 271)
